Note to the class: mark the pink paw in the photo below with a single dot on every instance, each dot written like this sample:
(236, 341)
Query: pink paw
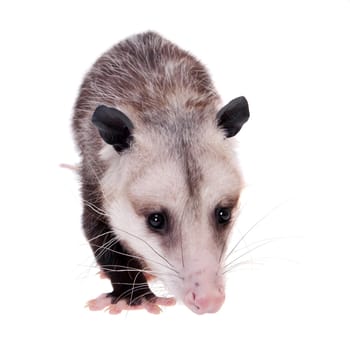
(99, 303)
(103, 302)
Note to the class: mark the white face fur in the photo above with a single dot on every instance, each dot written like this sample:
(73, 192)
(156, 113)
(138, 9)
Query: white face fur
(187, 252)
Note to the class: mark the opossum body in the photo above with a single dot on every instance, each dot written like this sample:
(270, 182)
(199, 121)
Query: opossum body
(160, 179)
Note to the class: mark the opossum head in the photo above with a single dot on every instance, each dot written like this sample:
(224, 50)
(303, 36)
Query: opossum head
(171, 192)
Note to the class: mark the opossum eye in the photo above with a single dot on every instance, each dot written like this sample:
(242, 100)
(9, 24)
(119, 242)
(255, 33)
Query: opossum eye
(156, 221)
(223, 215)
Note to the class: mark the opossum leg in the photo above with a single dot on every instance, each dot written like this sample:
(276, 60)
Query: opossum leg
(122, 268)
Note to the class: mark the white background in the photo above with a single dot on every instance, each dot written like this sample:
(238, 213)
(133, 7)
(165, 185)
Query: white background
(291, 60)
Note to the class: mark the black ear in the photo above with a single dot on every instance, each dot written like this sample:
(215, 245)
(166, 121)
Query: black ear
(232, 116)
(114, 127)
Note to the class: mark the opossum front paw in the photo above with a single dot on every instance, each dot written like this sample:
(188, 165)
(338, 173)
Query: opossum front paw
(99, 303)
(105, 302)
(152, 306)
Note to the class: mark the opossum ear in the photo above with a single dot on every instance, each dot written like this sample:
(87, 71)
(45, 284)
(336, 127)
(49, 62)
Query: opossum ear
(114, 126)
(232, 116)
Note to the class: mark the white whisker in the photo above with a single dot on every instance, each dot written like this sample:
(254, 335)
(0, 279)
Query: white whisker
(150, 246)
(247, 252)
(241, 263)
(253, 227)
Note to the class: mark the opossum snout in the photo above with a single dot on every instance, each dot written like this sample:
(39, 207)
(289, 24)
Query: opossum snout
(204, 296)
(205, 302)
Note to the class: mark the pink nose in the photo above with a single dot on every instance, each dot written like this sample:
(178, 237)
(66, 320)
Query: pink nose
(209, 302)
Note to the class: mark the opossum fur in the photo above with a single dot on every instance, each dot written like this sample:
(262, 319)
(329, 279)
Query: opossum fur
(159, 175)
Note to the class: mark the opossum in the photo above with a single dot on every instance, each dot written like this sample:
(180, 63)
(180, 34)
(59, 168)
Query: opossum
(160, 179)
